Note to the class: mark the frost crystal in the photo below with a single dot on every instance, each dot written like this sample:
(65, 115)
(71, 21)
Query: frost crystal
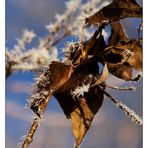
(26, 37)
(29, 35)
(59, 17)
(80, 90)
(72, 5)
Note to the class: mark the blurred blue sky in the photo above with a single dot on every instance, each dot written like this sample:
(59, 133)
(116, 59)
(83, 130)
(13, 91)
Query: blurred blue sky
(111, 127)
(31, 14)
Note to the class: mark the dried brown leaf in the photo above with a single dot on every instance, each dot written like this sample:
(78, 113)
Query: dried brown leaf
(81, 109)
(117, 34)
(119, 39)
(88, 47)
(123, 72)
(135, 48)
(115, 56)
(59, 74)
(118, 9)
(98, 46)
(122, 64)
(84, 113)
(52, 79)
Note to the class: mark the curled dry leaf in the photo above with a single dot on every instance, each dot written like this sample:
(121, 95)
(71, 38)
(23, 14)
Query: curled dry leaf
(135, 48)
(115, 57)
(98, 47)
(93, 47)
(134, 61)
(132, 47)
(81, 109)
(123, 72)
(118, 9)
(89, 45)
(117, 34)
(52, 79)
(59, 74)
(122, 64)
(119, 38)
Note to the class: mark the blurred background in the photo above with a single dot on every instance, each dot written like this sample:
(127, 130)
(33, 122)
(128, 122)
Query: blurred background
(111, 128)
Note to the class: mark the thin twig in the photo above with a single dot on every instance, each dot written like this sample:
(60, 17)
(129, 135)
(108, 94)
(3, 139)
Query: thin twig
(139, 29)
(81, 42)
(29, 137)
(135, 118)
(65, 33)
(52, 35)
(119, 88)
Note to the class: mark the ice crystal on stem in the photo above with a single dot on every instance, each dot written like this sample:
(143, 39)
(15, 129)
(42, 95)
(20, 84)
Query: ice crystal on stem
(135, 118)
(80, 90)
(26, 38)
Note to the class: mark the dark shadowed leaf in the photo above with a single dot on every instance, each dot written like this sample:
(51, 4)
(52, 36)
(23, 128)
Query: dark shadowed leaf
(98, 46)
(91, 45)
(84, 113)
(81, 109)
(118, 9)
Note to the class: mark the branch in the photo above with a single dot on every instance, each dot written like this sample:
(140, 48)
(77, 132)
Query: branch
(119, 88)
(135, 118)
(65, 33)
(29, 137)
(139, 29)
(52, 35)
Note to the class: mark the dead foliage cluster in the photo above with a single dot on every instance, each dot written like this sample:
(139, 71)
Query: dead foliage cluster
(120, 56)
